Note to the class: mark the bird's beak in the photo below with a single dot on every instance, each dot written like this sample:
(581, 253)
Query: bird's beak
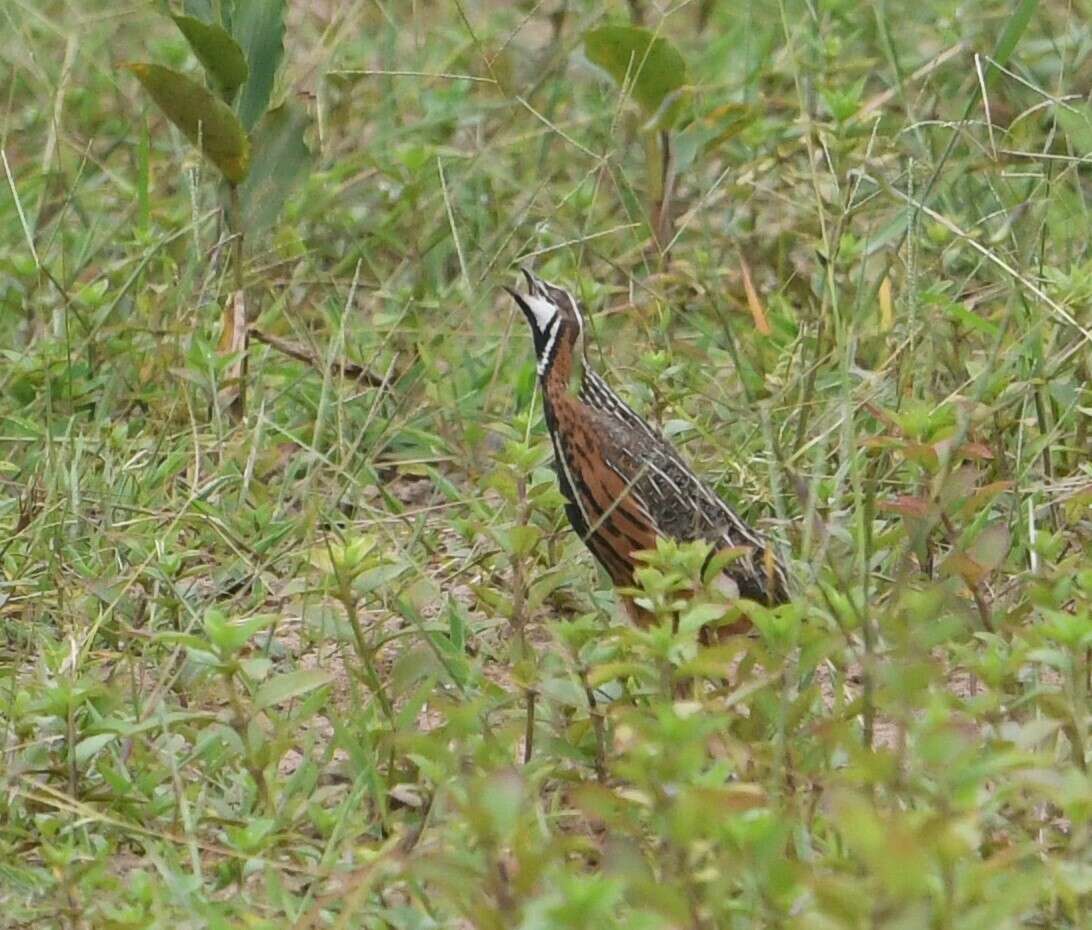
(520, 302)
(534, 283)
(534, 289)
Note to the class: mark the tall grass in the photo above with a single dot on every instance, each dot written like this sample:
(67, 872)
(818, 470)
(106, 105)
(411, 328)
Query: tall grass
(342, 663)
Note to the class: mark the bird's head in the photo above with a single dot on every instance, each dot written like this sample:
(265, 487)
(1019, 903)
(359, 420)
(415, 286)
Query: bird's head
(554, 317)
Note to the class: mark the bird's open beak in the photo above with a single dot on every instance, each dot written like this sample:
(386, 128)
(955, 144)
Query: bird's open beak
(520, 302)
(535, 288)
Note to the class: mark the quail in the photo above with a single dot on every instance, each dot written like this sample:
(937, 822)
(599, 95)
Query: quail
(624, 484)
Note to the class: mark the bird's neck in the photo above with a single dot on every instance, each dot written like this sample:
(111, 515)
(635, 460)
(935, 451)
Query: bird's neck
(565, 371)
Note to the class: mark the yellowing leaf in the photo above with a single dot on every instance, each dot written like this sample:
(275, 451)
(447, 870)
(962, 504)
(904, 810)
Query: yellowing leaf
(650, 66)
(203, 117)
(887, 307)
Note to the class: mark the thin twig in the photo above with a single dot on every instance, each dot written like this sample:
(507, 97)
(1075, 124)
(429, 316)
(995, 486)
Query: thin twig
(529, 727)
(344, 368)
(596, 714)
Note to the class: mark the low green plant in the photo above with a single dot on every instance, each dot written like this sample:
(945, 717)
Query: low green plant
(259, 152)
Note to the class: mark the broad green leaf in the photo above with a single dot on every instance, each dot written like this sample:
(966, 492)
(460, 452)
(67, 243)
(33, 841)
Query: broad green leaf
(199, 9)
(290, 685)
(971, 320)
(256, 667)
(187, 640)
(217, 51)
(229, 636)
(378, 577)
(86, 748)
(520, 540)
(281, 160)
(694, 618)
(258, 27)
(650, 66)
(202, 116)
(251, 837)
(1072, 630)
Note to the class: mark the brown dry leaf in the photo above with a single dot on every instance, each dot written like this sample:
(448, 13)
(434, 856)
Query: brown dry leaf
(925, 454)
(906, 505)
(882, 415)
(739, 796)
(881, 442)
(976, 450)
(983, 556)
(959, 563)
(754, 303)
(958, 485)
(233, 341)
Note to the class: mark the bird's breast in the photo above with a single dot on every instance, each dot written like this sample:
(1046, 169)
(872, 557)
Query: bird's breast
(603, 508)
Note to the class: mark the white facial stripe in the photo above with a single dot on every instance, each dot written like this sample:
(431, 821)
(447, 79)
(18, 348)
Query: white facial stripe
(543, 310)
(549, 349)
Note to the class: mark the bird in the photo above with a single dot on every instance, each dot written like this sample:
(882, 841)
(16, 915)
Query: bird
(623, 482)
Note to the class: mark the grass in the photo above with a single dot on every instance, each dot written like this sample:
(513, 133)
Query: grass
(342, 663)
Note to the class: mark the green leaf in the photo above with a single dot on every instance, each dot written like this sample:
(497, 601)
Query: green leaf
(217, 51)
(1015, 26)
(650, 66)
(521, 539)
(502, 800)
(199, 9)
(202, 116)
(971, 320)
(694, 618)
(229, 636)
(991, 546)
(251, 837)
(281, 159)
(258, 27)
(290, 685)
(378, 577)
(1076, 122)
(86, 748)
(187, 640)
(257, 668)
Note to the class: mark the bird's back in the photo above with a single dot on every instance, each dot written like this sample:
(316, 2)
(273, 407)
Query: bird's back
(638, 487)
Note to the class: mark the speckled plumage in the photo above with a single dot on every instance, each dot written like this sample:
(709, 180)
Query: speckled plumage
(624, 484)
